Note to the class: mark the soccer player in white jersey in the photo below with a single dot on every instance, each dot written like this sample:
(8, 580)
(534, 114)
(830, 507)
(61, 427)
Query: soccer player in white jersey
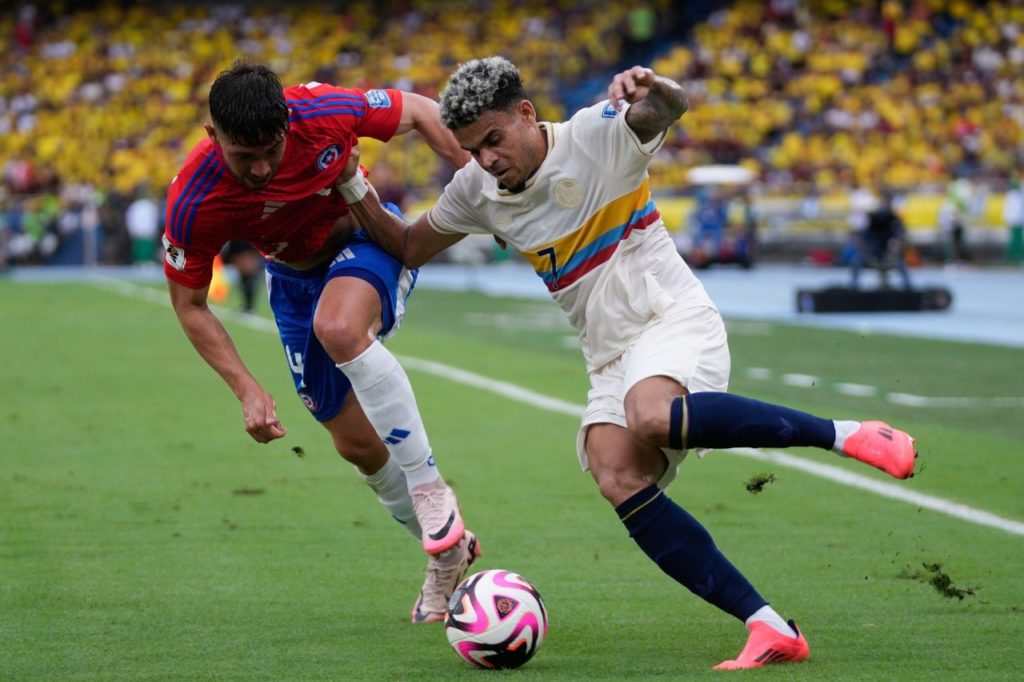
(574, 199)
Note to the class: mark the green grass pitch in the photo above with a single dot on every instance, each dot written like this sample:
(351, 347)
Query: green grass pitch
(144, 536)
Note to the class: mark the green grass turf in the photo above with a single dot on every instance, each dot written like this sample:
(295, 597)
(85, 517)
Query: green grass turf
(144, 536)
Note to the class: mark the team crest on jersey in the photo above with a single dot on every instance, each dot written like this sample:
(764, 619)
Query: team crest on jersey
(502, 218)
(609, 110)
(328, 156)
(308, 401)
(378, 99)
(175, 255)
(568, 193)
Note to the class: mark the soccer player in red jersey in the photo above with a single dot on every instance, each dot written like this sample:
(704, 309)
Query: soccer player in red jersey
(266, 174)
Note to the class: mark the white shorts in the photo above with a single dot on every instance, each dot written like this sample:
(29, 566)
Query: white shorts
(689, 346)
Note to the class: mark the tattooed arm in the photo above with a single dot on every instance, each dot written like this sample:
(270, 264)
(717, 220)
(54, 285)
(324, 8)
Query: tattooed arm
(657, 102)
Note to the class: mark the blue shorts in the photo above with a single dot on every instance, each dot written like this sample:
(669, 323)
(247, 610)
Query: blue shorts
(294, 295)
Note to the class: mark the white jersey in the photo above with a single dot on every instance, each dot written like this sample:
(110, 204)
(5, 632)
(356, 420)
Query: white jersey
(588, 225)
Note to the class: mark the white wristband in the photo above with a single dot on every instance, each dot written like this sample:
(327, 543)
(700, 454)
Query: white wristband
(354, 189)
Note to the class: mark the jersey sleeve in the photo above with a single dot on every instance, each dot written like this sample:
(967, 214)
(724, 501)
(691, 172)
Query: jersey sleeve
(188, 261)
(454, 212)
(370, 113)
(383, 114)
(606, 135)
(190, 266)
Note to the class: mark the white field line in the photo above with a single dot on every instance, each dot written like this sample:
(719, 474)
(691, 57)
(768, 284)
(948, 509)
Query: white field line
(893, 491)
(826, 471)
(160, 297)
(507, 390)
(862, 391)
(859, 390)
(524, 395)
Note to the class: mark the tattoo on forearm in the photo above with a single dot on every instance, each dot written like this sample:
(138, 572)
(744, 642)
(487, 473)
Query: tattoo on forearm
(652, 115)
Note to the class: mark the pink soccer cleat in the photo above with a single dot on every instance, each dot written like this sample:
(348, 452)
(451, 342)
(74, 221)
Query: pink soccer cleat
(882, 446)
(767, 645)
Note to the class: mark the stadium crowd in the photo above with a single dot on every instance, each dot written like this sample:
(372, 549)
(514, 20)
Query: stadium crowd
(897, 94)
(98, 105)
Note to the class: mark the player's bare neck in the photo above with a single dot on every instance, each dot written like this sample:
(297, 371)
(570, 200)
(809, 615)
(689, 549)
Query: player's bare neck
(542, 130)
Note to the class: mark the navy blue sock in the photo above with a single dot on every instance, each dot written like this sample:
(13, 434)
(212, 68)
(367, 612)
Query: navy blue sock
(683, 549)
(724, 420)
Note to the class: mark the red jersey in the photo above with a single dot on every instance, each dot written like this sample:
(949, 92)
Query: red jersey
(290, 218)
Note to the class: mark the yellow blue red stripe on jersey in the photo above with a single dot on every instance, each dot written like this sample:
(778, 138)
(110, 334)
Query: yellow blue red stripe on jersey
(565, 260)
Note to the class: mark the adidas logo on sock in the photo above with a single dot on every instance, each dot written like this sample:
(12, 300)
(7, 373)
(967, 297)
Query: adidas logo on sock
(397, 436)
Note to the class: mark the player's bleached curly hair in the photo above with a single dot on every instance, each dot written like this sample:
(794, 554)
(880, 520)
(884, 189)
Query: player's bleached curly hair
(480, 85)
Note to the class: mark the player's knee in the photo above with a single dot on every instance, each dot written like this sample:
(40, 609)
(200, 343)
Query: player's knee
(647, 421)
(344, 338)
(368, 455)
(618, 484)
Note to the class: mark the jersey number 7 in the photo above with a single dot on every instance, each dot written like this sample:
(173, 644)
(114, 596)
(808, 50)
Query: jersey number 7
(550, 253)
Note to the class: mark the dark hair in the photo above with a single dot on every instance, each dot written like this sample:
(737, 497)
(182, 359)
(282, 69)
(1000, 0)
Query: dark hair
(489, 84)
(247, 104)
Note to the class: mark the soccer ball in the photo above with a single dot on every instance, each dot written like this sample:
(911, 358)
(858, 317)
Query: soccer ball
(496, 619)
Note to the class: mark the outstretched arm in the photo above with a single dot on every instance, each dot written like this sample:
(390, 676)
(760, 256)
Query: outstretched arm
(421, 114)
(213, 343)
(657, 102)
(413, 244)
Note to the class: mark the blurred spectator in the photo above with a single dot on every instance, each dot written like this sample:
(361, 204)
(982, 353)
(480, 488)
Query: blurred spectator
(953, 220)
(750, 226)
(862, 202)
(385, 181)
(1013, 218)
(248, 263)
(142, 220)
(711, 219)
(880, 245)
(641, 27)
(716, 239)
(117, 243)
(5, 233)
(25, 27)
(32, 222)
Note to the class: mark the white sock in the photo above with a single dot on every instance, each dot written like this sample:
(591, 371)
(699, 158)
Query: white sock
(393, 493)
(384, 393)
(844, 429)
(767, 615)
